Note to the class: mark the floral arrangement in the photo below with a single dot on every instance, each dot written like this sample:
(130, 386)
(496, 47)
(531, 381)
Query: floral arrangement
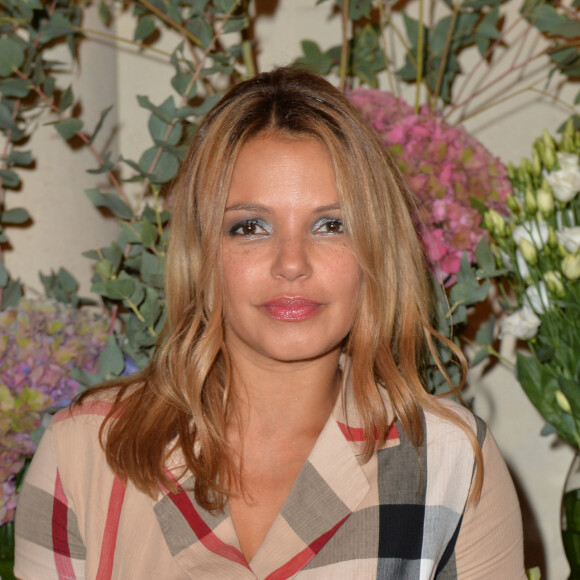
(40, 343)
(447, 168)
(538, 242)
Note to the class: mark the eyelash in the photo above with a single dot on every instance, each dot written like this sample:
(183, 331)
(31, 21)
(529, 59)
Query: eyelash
(236, 229)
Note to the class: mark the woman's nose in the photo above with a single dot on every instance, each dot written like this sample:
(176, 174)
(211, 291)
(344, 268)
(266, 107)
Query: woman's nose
(292, 258)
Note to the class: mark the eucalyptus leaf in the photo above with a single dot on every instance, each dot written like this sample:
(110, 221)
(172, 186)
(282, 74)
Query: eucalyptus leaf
(9, 178)
(110, 201)
(120, 288)
(145, 28)
(111, 361)
(485, 335)
(153, 270)
(20, 158)
(15, 87)
(161, 165)
(68, 128)
(99, 126)
(11, 294)
(16, 216)
(4, 276)
(11, 56)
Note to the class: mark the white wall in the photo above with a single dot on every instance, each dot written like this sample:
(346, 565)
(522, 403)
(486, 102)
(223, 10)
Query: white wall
(66, 223)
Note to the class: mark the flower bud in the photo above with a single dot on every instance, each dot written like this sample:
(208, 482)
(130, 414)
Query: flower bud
(511, 170)
(512, 203)
(569, 130)
(536, 163)
(563, 402)
(571, 267)
(548, 140)
(552, 238)
(528, 251)
(494, 223)
(530, 203)
(545, 201)
(549, 159)
(554, 284)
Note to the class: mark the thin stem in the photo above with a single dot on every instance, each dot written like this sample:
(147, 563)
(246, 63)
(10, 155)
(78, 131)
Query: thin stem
(141, 318)
(509, 71)
(248, 59)
(382, 24)
(135, 43)
(446, 48)
(420, 49)
(171, 22)
(344, 51)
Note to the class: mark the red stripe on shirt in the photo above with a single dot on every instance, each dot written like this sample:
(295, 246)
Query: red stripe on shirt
(202, 530)
(60, 545)
(298, 562)
(111, 528)
(358, 434)
(100, 408)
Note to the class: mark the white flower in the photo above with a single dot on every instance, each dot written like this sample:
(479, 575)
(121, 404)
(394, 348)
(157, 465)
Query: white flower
(535, 232)
(536, 297)
(565, 182)
(522, 265)
(522, 323)
(570, 238)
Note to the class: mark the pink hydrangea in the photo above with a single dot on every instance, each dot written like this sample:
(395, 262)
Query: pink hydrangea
(445, 167)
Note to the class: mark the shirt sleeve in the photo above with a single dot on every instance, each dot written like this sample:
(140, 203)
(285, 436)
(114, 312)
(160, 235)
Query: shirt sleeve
(490, 541)
(48, 543)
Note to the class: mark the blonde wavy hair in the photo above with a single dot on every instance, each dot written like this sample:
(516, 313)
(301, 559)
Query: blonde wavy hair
(182, 400)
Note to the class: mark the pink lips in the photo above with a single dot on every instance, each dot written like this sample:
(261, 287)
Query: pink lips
(291, 309)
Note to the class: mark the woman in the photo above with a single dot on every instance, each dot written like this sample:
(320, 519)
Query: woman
(282, 428)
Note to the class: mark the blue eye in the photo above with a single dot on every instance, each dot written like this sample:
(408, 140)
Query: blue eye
(329, 226)
(249, 228)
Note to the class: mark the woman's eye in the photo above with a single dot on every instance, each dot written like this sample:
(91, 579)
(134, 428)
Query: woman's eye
(329, 226)
(249, 228)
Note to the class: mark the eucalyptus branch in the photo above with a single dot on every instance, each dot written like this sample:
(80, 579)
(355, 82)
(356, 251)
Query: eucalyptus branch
(171, 22)
(344, 50)
(382, 23)
(80, 134)
(114, 37)
(530, 88)
(444, 56)
(506, 73)
(141, 318)
(420, 50)
(199, 66)
(501, 38)
(7, 145)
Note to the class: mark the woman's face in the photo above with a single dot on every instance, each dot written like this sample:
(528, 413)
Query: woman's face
(290, 281)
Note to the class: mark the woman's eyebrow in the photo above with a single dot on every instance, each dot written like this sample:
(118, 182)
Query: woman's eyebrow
(248, 207)
(329, 207)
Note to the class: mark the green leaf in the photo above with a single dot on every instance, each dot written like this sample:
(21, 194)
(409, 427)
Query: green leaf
(485, 335)
(166, 111)
(162, 168)
(164, 132)
(112, 202)
(148, 234)
(18, 88)
(543, 16)
(468, 294)
(236, 24)
(182, 83)
(479, 357)
(120, 288)
(111, 361)
(67, 281)
(104, 268)
(11, 56)
(150, 308)
(314, 59)
(23, 158)
(412, 28)
(153, 270)
(568, 29)
(9, 178)
(4, 276)
(541, 387)
(99, 126)
(145, 27)
(487, 31)
(56, 27)
(17, 216)
(104, 13)
(11, 294)
(484, 256)
(68, 128)
(201, 29)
